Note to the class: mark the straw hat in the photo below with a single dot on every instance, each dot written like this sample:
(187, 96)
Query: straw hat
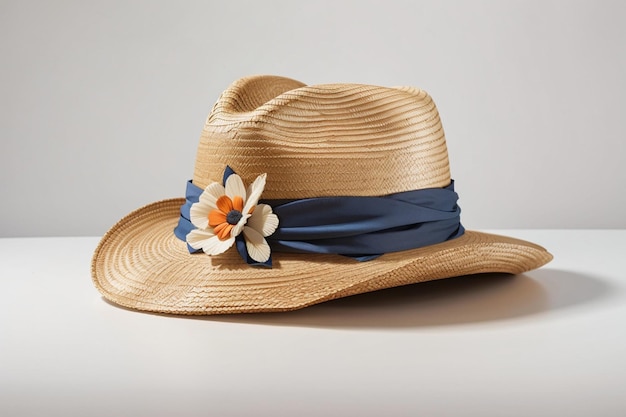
(321, 149)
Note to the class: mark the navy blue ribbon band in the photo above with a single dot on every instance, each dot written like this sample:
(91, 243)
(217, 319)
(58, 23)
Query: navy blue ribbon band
(360, 227)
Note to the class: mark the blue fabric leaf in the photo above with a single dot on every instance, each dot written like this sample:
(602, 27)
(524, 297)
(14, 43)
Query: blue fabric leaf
(227, 173)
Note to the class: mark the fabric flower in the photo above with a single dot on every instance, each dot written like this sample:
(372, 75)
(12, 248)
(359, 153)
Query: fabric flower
(224, 212)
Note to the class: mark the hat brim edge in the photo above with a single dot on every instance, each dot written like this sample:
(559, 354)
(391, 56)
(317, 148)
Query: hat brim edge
(140, 264)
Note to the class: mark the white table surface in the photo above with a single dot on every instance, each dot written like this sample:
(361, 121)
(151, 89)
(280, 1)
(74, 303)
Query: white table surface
(550, 342)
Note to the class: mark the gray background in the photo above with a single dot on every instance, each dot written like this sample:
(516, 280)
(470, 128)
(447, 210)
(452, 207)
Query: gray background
(102, 103)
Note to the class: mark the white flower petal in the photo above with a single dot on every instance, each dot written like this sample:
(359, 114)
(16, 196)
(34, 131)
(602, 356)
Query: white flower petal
(211, 193)
(254, 192)
(258, 249)
(263, 220)
(197, 237)
(235, 187)
(215, 246)
(199, 214)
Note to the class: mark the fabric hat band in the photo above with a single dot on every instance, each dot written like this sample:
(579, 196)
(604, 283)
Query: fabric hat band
(360, 227)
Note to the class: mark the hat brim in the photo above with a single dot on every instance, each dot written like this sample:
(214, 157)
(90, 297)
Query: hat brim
(140, 264)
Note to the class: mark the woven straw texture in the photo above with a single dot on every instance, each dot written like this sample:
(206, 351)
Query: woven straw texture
(312, 141)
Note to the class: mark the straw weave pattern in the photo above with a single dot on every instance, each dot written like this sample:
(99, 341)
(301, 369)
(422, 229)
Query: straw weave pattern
(326, 140)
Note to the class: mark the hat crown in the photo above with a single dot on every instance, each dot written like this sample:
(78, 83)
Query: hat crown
(324, 140)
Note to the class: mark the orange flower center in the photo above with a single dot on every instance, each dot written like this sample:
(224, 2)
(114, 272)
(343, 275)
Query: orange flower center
(226, 216)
